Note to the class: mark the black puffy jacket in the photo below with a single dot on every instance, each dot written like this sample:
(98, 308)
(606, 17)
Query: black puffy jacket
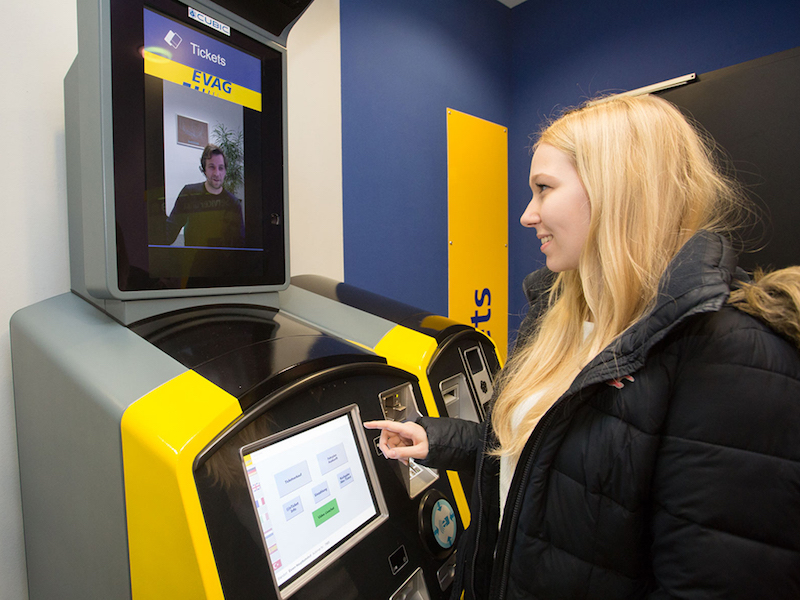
(683, 483)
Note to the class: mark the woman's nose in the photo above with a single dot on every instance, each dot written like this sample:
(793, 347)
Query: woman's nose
(530, 216)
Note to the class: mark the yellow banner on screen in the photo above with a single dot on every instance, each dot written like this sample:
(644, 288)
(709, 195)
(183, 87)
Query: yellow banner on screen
(477, 181)
(169, 70)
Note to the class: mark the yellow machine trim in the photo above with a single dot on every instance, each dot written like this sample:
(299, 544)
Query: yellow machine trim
(477, 206)
(412, 351)
(162, 433)
(460, 498)
(437, 321)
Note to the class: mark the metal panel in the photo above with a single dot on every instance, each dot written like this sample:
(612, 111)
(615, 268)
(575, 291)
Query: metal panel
(75, 372)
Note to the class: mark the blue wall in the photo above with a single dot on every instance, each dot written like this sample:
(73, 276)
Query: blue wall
(564, 52)
(405, 61)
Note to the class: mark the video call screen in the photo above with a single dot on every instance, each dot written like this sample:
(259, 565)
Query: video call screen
(313, 492)
(198, 151)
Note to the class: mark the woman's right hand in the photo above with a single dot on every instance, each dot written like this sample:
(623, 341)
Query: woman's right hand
(401, 440)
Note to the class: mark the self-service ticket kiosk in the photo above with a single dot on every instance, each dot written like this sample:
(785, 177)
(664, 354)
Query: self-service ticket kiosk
(181, 435)
(215, 452)
(455, 363)
(462, 367)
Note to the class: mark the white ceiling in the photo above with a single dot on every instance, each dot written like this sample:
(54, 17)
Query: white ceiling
(511, 3)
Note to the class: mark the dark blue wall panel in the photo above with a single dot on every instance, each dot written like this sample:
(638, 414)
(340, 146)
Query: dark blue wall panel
(403, 63)
(564, 52)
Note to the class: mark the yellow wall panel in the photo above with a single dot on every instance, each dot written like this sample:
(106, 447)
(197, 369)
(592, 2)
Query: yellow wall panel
(477, 174)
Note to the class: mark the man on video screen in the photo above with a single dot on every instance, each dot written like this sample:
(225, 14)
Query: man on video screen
(211, 215)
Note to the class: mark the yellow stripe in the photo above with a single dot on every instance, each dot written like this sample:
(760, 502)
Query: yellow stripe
(477, 188)
(412, 351)
(169, 70)
(460, 498)
(162, 433)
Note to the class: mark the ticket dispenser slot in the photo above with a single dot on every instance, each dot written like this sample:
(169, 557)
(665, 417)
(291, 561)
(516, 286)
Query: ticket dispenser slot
(398, 404)
(458, 399)
(413, 589)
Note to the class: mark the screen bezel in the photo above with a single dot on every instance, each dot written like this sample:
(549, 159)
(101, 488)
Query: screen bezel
(129, 222)
(379, 503)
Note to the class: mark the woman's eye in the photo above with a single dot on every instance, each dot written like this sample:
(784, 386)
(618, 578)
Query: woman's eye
(542, 187)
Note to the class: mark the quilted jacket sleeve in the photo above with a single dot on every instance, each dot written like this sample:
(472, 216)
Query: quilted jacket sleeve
(726, 485)
(453, 444)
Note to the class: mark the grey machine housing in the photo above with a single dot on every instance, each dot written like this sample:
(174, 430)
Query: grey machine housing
(89, 139)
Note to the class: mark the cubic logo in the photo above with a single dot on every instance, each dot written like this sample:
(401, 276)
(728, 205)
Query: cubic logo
(173, 39)
(209, 21)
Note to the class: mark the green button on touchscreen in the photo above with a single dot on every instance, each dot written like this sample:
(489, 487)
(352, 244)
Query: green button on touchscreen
(325, 512)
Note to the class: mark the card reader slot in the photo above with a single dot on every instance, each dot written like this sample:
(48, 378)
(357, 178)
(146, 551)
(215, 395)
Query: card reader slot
(398, 404)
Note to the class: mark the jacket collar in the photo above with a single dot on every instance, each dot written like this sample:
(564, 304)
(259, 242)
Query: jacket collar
(696, 281)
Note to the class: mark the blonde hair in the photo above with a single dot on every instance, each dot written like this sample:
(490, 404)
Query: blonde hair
(652, 182)
(773, 298)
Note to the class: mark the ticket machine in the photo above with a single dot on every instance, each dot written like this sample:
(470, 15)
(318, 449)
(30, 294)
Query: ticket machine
(455, 363)
(181, 434)
(462, 367)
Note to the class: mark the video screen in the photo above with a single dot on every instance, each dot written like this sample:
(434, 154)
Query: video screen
(315, 494)
(198, 137)
(205, 87)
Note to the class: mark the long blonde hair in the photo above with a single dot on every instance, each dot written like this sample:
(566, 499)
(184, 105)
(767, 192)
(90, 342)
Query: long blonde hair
(773, 298)
(652, 182)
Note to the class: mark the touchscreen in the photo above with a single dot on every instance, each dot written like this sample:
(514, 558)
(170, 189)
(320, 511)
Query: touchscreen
(314, 494)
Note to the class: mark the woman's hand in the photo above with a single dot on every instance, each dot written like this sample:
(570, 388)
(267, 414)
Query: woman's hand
(401, 440)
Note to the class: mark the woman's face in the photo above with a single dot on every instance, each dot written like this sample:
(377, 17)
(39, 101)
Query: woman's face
(559, 210)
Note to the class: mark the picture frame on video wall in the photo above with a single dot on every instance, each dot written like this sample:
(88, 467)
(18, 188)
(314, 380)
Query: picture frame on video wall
(192, 132)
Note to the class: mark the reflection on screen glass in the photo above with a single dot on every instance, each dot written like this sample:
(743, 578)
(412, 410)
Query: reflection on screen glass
(311, 492)
(198, 150)
(205, 87)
